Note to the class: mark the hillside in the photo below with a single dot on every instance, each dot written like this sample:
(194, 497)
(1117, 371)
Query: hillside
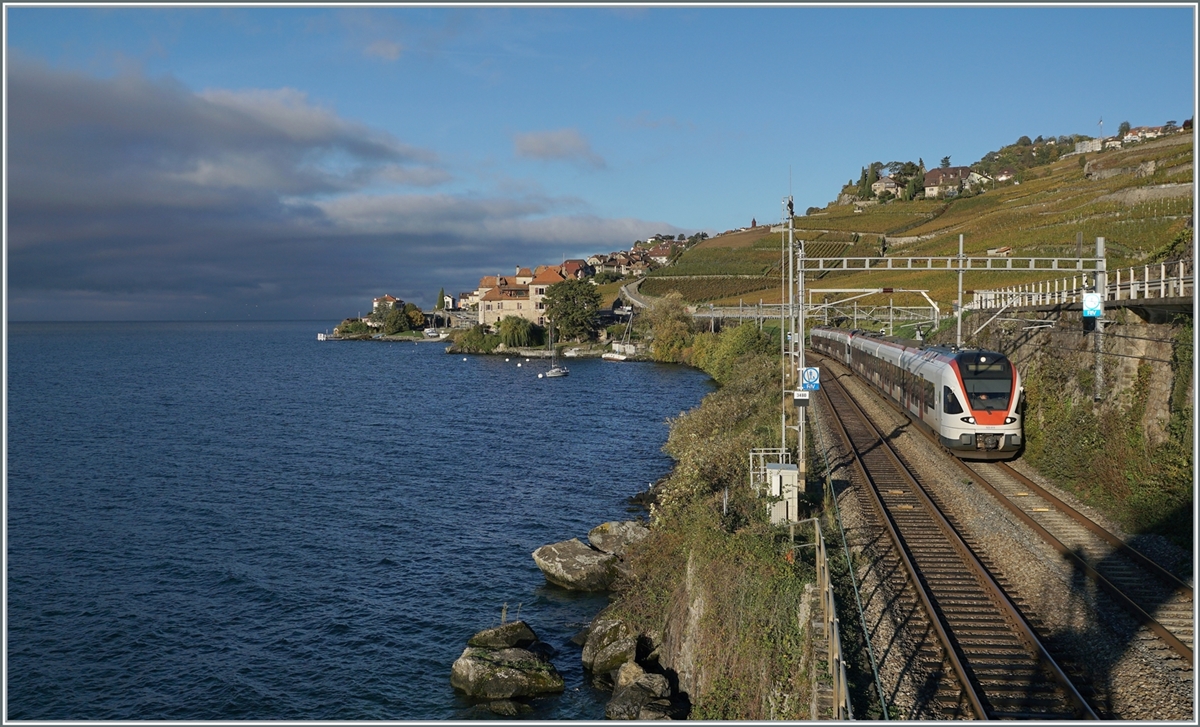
(1138, 198)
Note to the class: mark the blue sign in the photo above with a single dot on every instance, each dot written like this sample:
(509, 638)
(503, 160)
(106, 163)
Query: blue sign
(1093, 307)
(810, 380)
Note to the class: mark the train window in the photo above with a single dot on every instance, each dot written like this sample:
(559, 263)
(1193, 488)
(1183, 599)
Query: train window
(951, 405)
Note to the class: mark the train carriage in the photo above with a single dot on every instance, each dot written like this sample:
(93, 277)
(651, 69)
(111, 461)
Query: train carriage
(970, 398)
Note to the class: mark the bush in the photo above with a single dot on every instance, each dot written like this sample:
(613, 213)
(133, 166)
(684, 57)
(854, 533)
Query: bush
(477, 340)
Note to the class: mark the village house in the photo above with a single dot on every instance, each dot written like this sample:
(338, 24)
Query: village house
(508, 298)
(1005, 174)
(577, 269)
(885, 184)
(945, 181)
(383, 302)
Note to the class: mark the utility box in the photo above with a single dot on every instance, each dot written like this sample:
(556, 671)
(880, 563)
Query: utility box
(783, 490)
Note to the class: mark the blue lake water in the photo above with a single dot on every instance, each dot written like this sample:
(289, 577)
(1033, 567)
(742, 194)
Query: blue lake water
(215, 521)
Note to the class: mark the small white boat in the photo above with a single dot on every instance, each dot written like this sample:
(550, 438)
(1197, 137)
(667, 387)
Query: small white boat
(555, 370)
(431, 333)
(611, 356)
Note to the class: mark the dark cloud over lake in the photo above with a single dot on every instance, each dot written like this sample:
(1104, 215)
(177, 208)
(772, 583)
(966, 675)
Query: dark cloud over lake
(138, 198)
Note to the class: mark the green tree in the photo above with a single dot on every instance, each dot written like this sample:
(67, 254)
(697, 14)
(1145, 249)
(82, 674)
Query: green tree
(415, 316)
(945, 162)
(872, 178)
(574, 307)
(607, 276)
(441, 300)
(669, 325)
(396, 322)
(515, 332)
(1123, 129)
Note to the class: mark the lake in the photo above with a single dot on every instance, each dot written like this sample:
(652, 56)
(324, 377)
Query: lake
(221, 521)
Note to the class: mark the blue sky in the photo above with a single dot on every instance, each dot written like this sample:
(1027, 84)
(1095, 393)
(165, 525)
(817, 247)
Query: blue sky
(235, 162)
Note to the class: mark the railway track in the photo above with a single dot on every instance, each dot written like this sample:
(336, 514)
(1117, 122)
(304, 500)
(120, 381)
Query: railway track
(1150, 593)
(997, 659)
(1155, 597)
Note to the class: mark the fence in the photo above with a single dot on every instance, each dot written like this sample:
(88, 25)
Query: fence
(829, 619)
(1147, 282)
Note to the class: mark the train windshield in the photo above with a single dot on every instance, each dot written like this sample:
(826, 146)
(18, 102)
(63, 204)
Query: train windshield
(988, 379)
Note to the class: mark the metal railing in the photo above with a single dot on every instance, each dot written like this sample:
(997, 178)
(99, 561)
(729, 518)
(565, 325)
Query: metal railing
(1145, 282)
(832, 626)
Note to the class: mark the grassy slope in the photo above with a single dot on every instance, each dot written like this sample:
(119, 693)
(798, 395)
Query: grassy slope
(1038, 218)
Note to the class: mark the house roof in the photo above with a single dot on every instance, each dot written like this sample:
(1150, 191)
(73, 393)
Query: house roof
(937, 176)
(511, 292)
(524, 273)
(549, 276)
(386, 299)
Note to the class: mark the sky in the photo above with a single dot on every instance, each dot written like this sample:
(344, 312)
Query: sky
(292, 163)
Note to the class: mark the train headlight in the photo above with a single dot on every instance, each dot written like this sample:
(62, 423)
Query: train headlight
(1010, 420)
(968, 420)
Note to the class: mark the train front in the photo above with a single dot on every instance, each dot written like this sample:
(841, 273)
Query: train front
(988, 423)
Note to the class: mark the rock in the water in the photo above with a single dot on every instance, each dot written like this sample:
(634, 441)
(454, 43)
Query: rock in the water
(580, 638)
(513, 633)
(572, 564)
(504, 673)
(610, 644)
(614, 537)
(507, 707)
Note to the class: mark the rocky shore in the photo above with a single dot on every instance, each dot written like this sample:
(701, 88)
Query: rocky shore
(505, 666)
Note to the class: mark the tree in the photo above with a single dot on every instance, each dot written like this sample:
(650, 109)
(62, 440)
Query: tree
(415, 316)
(1123, 129)
(1169, 126)
(1024, 141)
(574, 308)
(945, 162)
(441, 300)
(607, 276)
(515, 332)
(668, 323)
(396, 321)
(915, 185)
(680, 237)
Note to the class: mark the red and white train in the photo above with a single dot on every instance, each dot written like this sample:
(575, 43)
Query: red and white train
(970, 398)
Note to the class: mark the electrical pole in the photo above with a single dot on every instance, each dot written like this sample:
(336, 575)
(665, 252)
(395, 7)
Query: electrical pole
(958, 339)
(1102, 289)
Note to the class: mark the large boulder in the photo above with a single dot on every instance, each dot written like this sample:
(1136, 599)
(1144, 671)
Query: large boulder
(639, 695)
(513, 633)
(610, 643)
(504, 673)
(572, 564)
(616, 536)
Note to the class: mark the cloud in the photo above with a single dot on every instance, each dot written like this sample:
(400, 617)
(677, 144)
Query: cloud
(133, 198)
(385, 49)
(560, 144)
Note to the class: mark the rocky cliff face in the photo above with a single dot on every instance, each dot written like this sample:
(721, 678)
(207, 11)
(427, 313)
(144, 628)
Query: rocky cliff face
(681, 635)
